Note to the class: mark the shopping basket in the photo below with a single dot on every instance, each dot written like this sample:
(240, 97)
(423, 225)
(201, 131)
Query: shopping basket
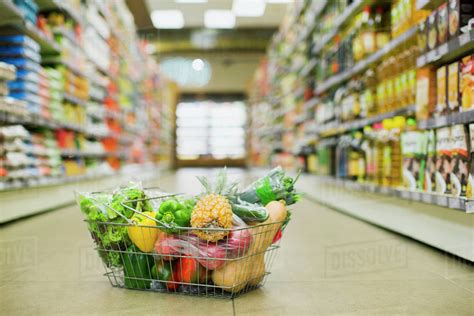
(180, 262)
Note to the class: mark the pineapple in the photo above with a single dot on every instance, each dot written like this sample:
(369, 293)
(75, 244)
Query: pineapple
(213, 209)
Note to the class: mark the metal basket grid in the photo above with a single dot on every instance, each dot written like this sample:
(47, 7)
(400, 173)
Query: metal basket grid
(243, 259)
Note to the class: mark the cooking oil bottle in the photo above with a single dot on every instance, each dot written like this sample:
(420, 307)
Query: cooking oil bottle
(387, 126)
(392, 156)
(378, 133)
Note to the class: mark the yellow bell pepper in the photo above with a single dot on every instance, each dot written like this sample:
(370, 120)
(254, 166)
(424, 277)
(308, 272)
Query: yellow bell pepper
(143, 237)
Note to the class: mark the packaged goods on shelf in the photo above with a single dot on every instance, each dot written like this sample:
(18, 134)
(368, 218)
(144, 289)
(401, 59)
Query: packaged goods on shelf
(441, 88)
(29, 8)
(460, 161)
(443, 160)
(78, 78)
(460, 13)
(466, 85)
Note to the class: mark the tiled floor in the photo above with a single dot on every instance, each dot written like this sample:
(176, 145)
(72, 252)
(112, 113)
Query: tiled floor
(328, 263)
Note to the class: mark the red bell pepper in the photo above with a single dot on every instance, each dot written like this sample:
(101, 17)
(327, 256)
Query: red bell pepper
(188, 270)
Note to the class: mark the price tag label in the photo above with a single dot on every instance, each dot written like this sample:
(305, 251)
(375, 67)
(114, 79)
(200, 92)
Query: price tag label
(442, 200)
(405, 195)
(421, 61)
(415, 196)
(464, 39)
(470, 206)
(443, 49)
(425, 197)
(455, 203)
(440, 121)
(431, 56)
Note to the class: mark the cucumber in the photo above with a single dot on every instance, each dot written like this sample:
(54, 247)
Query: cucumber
(249, 212)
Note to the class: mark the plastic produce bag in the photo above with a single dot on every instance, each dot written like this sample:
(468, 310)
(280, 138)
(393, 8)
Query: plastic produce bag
(210, 255)
(272, 187)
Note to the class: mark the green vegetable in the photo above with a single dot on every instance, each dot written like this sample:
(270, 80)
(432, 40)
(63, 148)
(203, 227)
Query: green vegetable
(175, 214)
(105, 210)
(163, 271)
(137, 268)
(272, 187)
(249, 212)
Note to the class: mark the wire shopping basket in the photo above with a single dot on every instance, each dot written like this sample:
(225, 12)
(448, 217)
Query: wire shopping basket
(154, 256)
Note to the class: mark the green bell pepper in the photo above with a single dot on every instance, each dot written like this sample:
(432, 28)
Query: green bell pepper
(175, 214)
(137, 268)
(163, 271)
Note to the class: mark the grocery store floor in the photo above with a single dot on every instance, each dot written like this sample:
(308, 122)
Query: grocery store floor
(328, 263)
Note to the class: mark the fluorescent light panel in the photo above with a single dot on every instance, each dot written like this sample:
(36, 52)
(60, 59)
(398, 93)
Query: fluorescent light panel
(219, 19)
(167, 19)
(248, 8)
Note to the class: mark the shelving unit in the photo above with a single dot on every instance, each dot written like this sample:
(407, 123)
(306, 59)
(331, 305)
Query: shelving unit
(447, 229)
(456, 203)
(121, 104)
(12, 17)
(348, 13)
(299, 126)
(461, 45)
(365, 63)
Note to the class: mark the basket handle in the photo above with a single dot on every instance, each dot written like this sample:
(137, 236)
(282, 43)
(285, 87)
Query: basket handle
(145, 215)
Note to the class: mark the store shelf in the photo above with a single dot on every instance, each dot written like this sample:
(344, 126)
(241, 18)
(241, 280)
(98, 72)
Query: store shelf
(300, 119)
(308, 67)
(316, 7)
(11, 16)
(347, 14)
(46, 5)
(365, 63)
(447, 120)
(453, 203)
(73, 99)
(449, 51)
(310, 104)
(299, 93)
(337, 128)
(35, 120)
(439, 226)
(51, 193)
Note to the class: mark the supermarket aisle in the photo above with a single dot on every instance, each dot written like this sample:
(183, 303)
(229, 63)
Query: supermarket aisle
(48, 266)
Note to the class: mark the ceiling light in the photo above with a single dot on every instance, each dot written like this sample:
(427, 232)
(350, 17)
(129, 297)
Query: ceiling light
(280, 1)
(250, 8)
(219, 19)
(198, 64)
(190, 1)
(167, 19)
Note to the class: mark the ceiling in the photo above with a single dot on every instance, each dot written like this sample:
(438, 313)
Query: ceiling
(233, 54)
(194, 13)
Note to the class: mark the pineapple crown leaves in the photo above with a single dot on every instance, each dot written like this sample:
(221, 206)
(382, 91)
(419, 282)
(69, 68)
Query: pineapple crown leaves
(222, 187)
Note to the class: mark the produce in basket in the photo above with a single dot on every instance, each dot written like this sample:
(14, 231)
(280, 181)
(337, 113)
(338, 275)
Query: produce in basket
(250, 270)
(249, 212)
(175, 214)
(210, 255)
(143, 237)
(106, 213)
(274, 186)
(188, 270)
(137, 268)
(190, 245)
(213, 209)
(163, 271)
